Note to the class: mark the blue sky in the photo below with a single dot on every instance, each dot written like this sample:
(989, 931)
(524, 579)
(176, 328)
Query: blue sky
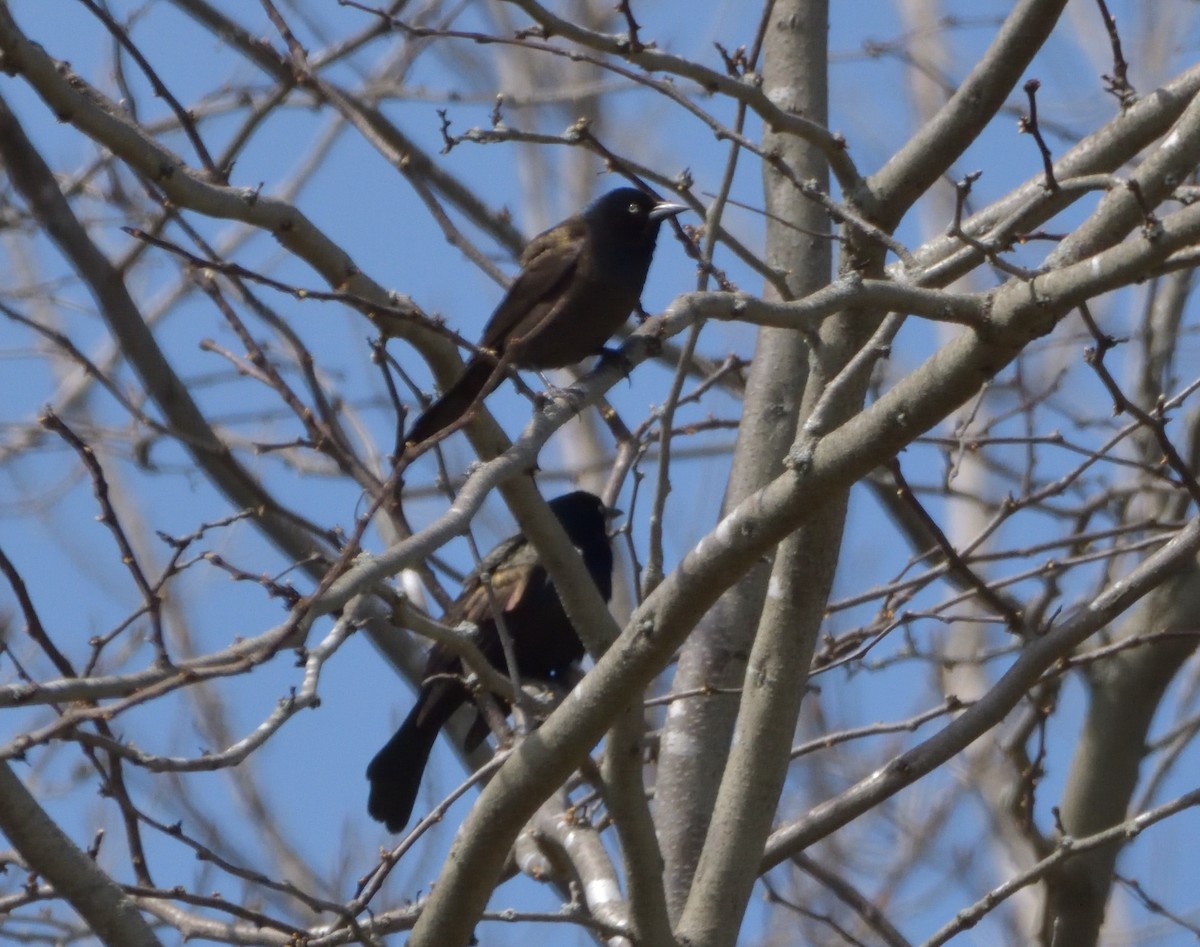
(313, 767)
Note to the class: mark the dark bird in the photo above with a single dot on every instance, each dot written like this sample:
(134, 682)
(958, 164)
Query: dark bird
(578, 283)
(544, 643)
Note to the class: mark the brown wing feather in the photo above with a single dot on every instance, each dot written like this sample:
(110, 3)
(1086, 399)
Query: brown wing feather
(514, 571)
(509, 586)
(547, 264)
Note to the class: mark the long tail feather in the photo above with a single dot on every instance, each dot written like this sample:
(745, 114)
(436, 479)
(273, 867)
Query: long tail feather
(454, 403)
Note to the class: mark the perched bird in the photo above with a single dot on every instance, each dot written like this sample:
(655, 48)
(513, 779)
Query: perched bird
(544, 643)
(578, 282)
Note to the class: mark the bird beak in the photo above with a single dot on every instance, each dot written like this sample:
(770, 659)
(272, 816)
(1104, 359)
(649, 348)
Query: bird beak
(664, 209)
(613, 513)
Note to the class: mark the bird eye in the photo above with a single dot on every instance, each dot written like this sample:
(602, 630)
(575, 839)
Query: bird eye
(635, 208)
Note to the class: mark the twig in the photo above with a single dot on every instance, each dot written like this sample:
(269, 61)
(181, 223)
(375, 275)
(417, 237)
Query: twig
(160, 90)
(1066, 849)
(1011, 614)
(108, 516)
(635, 44)
(1156, 422)
(1118, 83)
(1028, 125)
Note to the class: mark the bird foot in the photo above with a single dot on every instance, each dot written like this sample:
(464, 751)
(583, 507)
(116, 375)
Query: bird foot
(572, 395)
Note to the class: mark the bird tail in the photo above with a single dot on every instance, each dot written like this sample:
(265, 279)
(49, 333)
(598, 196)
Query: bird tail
(395, 772)
(454, 403)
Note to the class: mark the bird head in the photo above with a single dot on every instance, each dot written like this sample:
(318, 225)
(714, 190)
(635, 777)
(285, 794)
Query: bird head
(631, 215)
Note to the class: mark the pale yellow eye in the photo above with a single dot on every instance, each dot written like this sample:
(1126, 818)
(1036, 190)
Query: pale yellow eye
(635, 209)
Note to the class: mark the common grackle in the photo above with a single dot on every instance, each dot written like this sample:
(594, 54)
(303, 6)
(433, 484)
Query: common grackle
(544, 643)
(578, 282)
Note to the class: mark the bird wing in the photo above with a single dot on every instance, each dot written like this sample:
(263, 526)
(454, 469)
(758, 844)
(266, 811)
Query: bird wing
(514, 571)
(547, 265)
